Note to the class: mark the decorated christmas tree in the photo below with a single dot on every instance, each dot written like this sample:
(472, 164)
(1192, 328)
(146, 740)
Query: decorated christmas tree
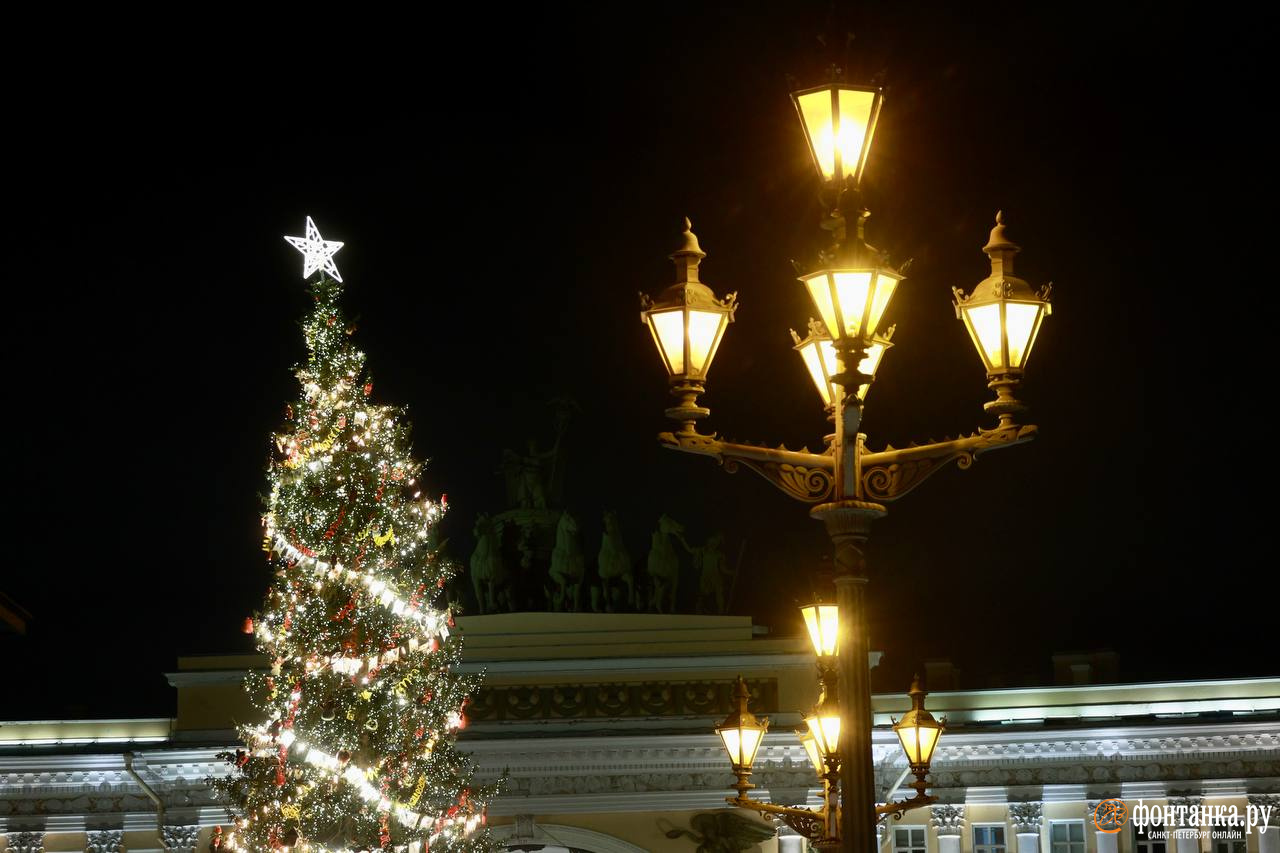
(362, 701)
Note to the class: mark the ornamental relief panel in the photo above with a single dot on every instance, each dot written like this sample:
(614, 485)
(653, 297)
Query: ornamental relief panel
(1109, 772)
(104, 841)
(645, 699)
(24, 842)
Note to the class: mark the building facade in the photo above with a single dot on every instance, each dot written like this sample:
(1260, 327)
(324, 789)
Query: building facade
(602, 725)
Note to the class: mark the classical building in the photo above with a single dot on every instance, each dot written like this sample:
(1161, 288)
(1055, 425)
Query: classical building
(602, 724)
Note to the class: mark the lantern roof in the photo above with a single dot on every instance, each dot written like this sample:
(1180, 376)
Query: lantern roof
(1002, 283)
(688, 289)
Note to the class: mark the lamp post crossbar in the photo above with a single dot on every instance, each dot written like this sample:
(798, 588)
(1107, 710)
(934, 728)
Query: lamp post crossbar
(886, 475)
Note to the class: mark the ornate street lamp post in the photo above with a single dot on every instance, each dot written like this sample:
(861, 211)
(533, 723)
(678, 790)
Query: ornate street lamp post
(850, 289)
(742, 733)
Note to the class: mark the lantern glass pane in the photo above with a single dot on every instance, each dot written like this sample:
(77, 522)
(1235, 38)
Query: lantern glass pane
(823, 622)
(820, 292)
(885, 286)
(907, 736)
(704, 334)
(811, 750)
(668, 331)
(1021, 321)
(984, 325)
(815, 111)
(751, 739)
(928, 739)
(855, 117)
(851, 298)
(826, 731)
(731, 741)
(811, 353)
(869, 365)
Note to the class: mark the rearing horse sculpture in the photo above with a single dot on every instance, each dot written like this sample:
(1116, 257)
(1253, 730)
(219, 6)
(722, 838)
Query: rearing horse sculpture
(567, 565)
(488, 571)
(614, 563)
(664, 564)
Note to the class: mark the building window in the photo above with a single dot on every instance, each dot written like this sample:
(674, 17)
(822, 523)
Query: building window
(988, 839)
(1143, 843)
(1066, 836)
(909, 839)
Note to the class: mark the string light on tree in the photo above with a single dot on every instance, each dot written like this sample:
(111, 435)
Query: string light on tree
(362, 700)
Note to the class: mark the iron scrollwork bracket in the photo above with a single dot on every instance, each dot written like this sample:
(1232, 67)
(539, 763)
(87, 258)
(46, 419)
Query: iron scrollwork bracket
(808, 822)
(811, 826)
(885, 475)
(892, 472)
(898, 809)
(805, 476)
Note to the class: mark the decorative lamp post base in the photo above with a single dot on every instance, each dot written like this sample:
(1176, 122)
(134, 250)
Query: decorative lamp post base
(687, 412)
(1005, 406)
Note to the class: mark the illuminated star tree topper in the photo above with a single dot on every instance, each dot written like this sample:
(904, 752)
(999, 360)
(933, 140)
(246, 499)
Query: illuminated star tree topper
(317, 253)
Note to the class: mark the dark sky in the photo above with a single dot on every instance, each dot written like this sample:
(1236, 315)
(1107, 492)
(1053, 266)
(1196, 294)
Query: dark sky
(506, 183)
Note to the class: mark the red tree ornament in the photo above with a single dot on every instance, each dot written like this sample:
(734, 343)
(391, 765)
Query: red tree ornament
(248, 625)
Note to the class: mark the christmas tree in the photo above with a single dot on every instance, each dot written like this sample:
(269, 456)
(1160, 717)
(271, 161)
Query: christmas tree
(362, 702)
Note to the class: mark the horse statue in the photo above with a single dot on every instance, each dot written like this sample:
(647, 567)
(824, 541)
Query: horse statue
(664, 564)
(714, 575)
(567, 565)
(614, 563)
(488, 571)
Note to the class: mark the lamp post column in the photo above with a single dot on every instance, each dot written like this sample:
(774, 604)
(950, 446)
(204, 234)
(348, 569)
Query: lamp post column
(848, 523)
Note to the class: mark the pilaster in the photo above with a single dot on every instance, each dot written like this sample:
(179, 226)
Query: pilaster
(1026, 819)
(948, 822)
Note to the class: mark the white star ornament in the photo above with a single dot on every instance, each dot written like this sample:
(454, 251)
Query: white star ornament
(316, 253)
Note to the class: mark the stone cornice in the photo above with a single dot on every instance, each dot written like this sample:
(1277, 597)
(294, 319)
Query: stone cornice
(638, 771)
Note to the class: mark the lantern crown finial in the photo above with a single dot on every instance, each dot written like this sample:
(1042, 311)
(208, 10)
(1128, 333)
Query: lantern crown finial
(1000, 248)
(689, 242)
(688, 256)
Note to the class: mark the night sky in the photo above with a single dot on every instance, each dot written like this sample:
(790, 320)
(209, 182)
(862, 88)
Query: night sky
(506, 184)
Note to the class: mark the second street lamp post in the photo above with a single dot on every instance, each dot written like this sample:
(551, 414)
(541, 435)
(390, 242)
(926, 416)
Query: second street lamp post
(848, 485)
(742, 733)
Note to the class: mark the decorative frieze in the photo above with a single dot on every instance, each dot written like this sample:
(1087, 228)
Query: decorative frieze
(1186, 801)
(643, 771)
(620, 700)
(1026, 817)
